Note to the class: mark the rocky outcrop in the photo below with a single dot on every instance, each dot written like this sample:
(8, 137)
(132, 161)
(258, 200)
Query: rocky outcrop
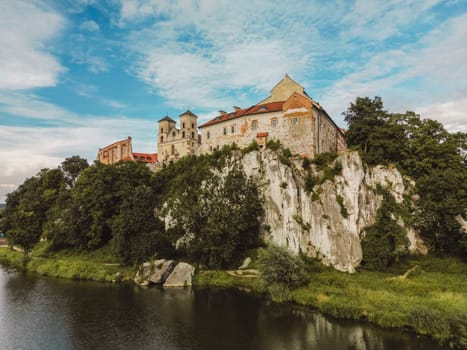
(181, 276)
(329, 223)
(166, 273)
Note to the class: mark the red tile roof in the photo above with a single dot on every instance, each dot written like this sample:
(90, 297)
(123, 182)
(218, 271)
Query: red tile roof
(256, 109)
(145, 157)
(262, 134)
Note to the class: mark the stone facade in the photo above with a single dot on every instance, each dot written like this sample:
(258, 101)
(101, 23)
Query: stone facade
(174, 143)
(123, 150)
(117, 151)
(288, 115)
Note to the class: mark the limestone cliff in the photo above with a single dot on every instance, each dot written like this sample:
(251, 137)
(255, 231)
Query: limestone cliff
(329, 224)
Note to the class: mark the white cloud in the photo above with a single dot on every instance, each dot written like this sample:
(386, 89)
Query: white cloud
(452, 114)
(89, 26)
(25, 61)
(26, 150)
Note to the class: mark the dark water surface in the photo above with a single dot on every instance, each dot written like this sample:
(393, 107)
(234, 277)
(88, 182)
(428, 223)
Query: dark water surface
(46, 313)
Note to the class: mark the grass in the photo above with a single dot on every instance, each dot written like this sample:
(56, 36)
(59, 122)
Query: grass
(433, 301)
(98, 265)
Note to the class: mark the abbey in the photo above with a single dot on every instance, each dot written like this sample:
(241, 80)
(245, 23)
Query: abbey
(288, 115)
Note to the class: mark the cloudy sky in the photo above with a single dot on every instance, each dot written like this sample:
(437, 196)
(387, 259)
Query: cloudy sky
(76, 75)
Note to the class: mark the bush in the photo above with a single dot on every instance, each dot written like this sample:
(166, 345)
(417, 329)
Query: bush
(306, 163)
(278, 267)
(309, 183)
(253, 146)
(323, 159)
(274, 145)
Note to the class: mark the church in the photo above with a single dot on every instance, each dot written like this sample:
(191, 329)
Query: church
(288, 115)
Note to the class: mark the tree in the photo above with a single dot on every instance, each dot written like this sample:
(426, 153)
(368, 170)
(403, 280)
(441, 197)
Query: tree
(72, 167)
(27, 207)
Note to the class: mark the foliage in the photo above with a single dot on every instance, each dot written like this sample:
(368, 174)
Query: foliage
(385, 241)
(253, 146)
(279, 268)
(340, 201)
(219, 216)
(323, 159)
(309, 182)
(27, 207)
(273, 145)
(425, 151)
(306, 163)
(72, 167)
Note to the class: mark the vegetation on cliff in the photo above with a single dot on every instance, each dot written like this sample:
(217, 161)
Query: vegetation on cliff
(85, 208)
(423, 150)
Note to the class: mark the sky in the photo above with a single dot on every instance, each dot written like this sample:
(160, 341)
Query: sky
(76, 75)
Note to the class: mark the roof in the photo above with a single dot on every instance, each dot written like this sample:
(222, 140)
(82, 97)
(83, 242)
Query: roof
(128, 139)
(262, 134)
(189, 113)
(256, 109)
(145, 157)
(167, 118)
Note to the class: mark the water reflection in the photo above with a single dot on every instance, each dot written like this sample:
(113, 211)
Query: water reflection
(44, 313)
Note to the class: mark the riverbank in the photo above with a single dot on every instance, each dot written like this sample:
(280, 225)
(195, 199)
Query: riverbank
(430, 300)
(95, 266)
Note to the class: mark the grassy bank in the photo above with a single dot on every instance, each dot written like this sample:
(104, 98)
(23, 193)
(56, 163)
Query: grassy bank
(98, 265)
(431, 300)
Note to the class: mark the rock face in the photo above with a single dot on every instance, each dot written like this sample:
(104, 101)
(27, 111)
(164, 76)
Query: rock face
(181, 276)
(166, 273)
(154, 272)
(328, 225)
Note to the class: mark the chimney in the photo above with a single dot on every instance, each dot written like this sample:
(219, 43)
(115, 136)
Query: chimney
(236, 108)
(222, 112)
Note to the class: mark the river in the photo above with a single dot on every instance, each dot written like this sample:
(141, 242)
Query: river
(45, 313)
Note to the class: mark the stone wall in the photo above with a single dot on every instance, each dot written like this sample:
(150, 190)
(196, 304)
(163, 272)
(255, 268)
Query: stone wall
(117, 151)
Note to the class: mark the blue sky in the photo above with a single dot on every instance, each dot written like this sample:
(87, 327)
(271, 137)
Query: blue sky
(76, 75)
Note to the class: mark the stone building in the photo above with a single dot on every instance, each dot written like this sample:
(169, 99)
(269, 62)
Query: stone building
(288, 115)
(174, 143)
(123, 150)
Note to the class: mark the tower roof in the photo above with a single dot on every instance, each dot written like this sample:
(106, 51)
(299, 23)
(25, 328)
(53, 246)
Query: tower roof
(167, 118)
(188, 112)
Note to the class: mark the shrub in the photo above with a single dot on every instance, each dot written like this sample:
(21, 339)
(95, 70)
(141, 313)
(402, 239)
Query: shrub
(253, 146)
(278, 267)
(306, 163)
(344, 212)
(273, 145)
(309, 183)
(323, 159)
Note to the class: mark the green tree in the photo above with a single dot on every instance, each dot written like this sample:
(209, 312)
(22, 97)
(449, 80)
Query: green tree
(27, 207)
(72, 167)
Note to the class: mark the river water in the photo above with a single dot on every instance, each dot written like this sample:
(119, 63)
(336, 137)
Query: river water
(45, 313)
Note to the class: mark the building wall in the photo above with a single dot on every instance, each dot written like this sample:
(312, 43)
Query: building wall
(294, 126)
(117, 151)
(173, 142)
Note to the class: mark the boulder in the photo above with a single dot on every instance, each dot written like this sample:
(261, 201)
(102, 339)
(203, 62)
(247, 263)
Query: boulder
(154, 272)
(181, 276)
(245, 264)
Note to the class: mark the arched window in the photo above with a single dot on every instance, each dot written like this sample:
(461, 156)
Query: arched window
(162, 138)
(208, 135)
(192, 135)
(183, 125)
(183, 134)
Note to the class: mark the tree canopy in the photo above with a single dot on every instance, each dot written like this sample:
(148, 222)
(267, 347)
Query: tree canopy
(425, 151)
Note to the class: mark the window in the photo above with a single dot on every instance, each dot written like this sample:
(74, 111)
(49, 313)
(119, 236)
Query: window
(232, 129)
(192, 125)
(295, 121)
(210, 148)
(173, 149)
(274, 122)
(254, 124)
(225, 131)
(192, 134)
(208, 135)
(183, 134)
(173, 133)
(162, 129)
(162, 138)
(183, 125)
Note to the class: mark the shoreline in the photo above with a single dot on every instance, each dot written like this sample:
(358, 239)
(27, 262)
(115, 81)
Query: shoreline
(431, 301)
